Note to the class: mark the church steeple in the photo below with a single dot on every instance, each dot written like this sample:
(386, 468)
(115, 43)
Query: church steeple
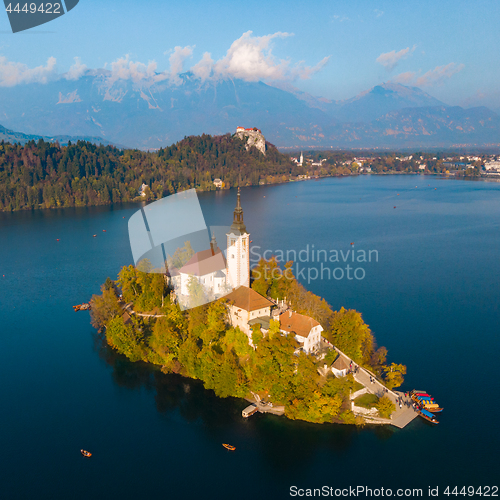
(238, 226)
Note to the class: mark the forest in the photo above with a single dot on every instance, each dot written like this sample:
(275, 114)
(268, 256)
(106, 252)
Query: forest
(199, 343)
(47, 175)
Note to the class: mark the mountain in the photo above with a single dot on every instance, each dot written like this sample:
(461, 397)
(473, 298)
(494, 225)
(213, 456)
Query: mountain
(380, 100)
(11, 136)
(153, 114)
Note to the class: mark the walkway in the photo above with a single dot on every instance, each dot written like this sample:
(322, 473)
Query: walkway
(127, 307)
(402, 416)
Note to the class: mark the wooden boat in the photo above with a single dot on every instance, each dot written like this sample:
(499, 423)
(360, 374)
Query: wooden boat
(82, 307)
(229, 447)
(86, 453)
(433, 408)
(423, 399)
(427, 415)
(95, 235)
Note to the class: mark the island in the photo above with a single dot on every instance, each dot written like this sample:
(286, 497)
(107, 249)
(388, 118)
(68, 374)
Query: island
(269, 341)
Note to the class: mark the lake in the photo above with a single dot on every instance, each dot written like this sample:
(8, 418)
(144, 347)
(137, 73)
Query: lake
(431, 297)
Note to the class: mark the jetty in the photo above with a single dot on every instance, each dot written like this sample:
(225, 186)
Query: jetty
(262, 407)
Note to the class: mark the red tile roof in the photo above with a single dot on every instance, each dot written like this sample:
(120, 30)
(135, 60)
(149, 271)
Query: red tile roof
(297, 323)
(248, 299)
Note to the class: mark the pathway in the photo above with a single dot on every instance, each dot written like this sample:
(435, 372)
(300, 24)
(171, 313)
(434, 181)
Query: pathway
(402, 416)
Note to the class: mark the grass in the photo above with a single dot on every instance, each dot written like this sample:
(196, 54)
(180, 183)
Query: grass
(357, 386)
(366, 400)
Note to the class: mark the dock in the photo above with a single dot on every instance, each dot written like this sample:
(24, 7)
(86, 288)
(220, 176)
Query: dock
(262, 407)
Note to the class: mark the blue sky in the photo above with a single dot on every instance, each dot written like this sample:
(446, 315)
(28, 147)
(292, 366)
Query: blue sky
(337, 49)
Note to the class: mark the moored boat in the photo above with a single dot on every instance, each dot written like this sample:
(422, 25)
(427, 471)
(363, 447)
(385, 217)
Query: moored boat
(229, 447)
(427, 415)
(433, 408)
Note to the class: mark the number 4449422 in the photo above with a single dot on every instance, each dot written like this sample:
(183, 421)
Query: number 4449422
(32, 8)
(472, 491)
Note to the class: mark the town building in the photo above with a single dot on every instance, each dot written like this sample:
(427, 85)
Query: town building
(246, 307)
(307, 331)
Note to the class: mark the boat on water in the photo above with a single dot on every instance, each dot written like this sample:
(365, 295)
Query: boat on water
(229, 447)
(434, 408)
(86, 453)
(426, 402)
(82, 307)
(427, 415)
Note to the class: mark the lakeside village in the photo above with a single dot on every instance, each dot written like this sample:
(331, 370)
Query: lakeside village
(273, 343)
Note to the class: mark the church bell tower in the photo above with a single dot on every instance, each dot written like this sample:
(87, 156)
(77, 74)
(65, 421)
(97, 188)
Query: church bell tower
(238, 250)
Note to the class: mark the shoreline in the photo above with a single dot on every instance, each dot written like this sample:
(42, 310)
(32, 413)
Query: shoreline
(484, 178)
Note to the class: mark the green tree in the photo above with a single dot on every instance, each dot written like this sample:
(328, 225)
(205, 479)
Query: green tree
(385, 407)
(394, 375)
(349, 333)
(104, 307)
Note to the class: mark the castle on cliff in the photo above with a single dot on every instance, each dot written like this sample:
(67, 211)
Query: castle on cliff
(253, 137)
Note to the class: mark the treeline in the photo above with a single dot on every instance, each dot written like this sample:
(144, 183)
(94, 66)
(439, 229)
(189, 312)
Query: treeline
(47, 175)
(199, 343)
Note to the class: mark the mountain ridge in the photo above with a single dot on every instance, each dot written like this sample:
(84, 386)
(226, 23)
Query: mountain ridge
(151, 114)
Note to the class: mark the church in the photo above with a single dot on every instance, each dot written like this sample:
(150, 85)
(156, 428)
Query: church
(228, 276)
(217, 273)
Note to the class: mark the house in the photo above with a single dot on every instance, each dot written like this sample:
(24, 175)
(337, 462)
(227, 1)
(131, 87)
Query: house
(340, 367)
(246, 307)
(307, 330)
(218, 183)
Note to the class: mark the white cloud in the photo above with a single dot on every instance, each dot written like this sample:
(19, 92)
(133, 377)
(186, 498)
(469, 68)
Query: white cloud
(12, 73)
(407, 78)
(437, 75)
(390, 59)
(203, 68)
(176, 59)
(340, 19)
(378, 13)
(76, 70)
(431, 78)
(125, 69)
(250, 58)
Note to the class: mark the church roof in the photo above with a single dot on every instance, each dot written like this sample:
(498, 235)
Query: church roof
(204, 262)
(248, 299)
(238, 226)
(297, 323)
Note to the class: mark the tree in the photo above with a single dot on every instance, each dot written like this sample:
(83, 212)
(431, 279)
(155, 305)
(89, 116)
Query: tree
(104, 307)
(351, 335)
(385, 407)
(125, 338)
(394, 375)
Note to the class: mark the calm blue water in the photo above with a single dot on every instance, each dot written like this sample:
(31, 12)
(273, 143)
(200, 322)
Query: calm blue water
(432, 299)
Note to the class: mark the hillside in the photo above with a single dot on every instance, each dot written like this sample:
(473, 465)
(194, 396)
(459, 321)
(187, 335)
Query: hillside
(47, 175)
